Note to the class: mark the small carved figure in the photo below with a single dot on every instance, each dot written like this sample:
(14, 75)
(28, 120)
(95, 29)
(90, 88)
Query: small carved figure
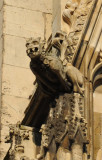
(61, 42)
(69, 11)
(76, 77)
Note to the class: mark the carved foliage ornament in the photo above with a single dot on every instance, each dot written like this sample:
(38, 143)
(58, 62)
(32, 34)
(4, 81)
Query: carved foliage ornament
(66, 118)
(78, 14)
(16, 138)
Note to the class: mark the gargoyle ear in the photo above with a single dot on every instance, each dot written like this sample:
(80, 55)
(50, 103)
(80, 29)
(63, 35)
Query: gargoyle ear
(38, 39)
(28, 40)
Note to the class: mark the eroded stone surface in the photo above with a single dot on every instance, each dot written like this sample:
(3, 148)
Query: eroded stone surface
(21, 22)
(41, 5)
(15, 51)
(15, 81)
(63, 154)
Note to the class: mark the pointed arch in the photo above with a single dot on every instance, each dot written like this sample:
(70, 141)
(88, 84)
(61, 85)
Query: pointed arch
(96, 76)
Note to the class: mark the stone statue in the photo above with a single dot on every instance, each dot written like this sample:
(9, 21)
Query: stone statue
(51, 73)
(55, 75)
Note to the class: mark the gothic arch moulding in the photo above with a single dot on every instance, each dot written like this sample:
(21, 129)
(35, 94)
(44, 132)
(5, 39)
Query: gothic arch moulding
(96, 76)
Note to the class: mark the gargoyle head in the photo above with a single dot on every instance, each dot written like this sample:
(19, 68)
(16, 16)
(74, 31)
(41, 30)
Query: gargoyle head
(35, 47)
(58, 39)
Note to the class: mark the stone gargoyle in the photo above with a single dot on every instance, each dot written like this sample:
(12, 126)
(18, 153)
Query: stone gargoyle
(51, 74)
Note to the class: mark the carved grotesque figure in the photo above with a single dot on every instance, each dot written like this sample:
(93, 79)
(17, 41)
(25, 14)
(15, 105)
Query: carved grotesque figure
(34, 47)
(47, 67)
(76, 77)
(53, 75)
(61, 42)
(50, 72)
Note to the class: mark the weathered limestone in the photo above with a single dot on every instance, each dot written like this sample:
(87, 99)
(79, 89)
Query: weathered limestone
(14, 54)
(99, 155)
(81, 21)
(21, 88)
(41, 5)
(77, 152)
(20, 20)
(64, 101)
(63, 154)
(58, 23)
(21, 143)
(97, 121)
(48, 25)
(1, 4)
(1, 50)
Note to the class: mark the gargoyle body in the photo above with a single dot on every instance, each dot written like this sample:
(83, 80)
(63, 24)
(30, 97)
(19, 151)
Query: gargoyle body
(51, 74)
(47, 68)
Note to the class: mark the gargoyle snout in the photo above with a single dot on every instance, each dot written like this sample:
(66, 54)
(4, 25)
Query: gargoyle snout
(57, 42)
(30, 50)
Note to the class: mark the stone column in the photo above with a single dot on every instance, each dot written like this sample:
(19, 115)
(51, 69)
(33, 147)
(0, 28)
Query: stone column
(58, 23)
(77, 151)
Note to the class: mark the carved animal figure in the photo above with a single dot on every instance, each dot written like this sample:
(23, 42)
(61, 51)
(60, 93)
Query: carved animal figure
(76, 77)
(60, 42)
(51, 74)
(48, 68)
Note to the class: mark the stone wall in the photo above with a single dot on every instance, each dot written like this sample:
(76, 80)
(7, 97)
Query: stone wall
(1, 49)
(22, 19)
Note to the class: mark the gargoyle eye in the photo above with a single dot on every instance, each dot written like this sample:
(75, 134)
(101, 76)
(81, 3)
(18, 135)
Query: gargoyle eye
(27, 44)
(61, 41)
(36, 49)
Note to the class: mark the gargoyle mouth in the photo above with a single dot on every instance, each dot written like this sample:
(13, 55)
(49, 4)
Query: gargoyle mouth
(32, 52)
